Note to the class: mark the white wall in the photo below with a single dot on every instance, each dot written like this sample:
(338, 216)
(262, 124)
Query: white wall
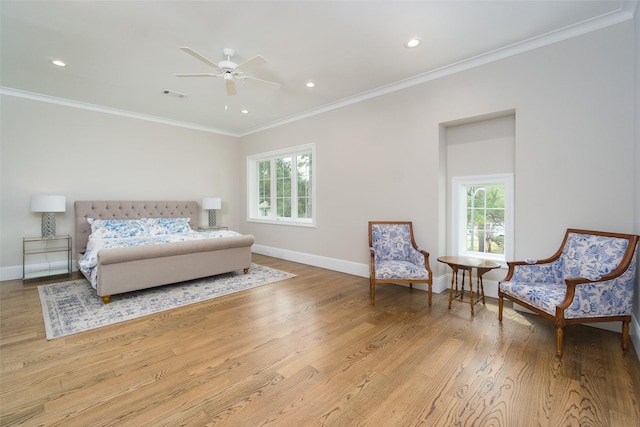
(86, 155)
(380, 159)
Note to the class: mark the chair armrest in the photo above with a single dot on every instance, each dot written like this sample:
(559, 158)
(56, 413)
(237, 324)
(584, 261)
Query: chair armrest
(419, 257)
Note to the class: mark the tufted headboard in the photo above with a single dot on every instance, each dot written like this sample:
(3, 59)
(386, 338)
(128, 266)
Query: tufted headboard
(128, 209)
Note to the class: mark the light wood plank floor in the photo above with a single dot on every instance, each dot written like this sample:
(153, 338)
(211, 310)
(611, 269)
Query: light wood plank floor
(311, 351)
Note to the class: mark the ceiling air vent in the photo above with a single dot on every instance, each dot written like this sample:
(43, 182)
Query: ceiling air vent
(174, 93)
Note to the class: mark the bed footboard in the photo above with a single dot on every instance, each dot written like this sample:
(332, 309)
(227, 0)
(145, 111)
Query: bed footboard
(128, 269)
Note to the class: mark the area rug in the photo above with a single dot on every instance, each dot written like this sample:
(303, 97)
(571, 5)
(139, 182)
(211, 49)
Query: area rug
(74, 306)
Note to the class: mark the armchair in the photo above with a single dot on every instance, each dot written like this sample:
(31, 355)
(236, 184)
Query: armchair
(589, 279)
(395, 257)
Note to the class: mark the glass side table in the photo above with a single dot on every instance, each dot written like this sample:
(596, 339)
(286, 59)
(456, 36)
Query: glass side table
(46, 257)
(212, 227)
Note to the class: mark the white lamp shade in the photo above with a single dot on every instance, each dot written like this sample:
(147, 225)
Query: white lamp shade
(46, 203)
(211, 203)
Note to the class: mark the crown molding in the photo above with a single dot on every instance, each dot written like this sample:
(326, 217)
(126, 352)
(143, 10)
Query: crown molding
(108, 110)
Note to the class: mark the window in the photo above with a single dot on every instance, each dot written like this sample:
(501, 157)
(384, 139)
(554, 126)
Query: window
(281, 186)
(483, 216)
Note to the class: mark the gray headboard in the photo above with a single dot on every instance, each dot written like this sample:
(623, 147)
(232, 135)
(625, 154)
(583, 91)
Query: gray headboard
(128, 209)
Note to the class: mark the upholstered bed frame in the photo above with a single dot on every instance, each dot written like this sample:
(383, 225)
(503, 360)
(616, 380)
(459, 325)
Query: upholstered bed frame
(133, 268)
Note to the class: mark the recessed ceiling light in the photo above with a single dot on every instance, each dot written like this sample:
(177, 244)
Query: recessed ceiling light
(414, 42)
(245, 111)
(311, 84)
(58, 62)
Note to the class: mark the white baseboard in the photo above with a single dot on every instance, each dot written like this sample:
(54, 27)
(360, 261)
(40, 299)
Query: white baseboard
(11, 273)
(334, 264)
(15, 271)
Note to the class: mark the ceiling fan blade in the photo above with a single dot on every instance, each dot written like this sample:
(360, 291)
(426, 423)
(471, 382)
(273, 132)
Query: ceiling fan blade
(200, 57)
(260, 80)
(197, 75)
(251, 62)
(231, 86)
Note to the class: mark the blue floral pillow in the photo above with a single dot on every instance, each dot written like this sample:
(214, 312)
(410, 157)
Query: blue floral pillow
(114, 228)
(156, 226)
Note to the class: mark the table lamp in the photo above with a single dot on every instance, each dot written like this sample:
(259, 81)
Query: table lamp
(48, 205)
(212, 203)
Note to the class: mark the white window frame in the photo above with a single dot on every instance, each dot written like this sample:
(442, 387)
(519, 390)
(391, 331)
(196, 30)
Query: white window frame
(459, 214)
(253, 212)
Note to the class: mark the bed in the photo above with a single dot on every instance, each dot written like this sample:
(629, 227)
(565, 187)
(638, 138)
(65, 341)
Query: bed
(172, 257)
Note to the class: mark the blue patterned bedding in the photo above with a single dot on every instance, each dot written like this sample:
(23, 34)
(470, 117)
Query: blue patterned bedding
(87, 264)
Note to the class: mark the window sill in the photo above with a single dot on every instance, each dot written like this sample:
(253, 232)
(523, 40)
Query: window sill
(282, 222)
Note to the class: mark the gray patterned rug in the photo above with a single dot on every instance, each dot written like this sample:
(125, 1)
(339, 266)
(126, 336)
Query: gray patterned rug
(72, 307)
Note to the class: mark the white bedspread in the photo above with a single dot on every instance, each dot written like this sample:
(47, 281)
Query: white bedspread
(87, 264)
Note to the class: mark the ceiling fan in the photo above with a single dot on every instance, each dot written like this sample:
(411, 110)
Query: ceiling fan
(228, 69)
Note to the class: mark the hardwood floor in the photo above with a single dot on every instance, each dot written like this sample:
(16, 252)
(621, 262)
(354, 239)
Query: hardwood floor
(311, 351)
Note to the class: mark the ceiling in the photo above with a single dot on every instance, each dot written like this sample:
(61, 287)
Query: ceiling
(122, 55)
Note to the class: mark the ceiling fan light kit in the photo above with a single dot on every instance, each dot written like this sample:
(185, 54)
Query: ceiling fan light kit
(228, 69)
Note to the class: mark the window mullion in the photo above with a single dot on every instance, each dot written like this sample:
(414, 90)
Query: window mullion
(274, 192)
(294, 187)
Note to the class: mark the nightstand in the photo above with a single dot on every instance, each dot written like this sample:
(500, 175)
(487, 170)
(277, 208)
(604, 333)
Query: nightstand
(45, 257)
(212, 228)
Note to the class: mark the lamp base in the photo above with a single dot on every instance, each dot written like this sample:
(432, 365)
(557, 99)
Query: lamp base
(212, 217)
(48, 225)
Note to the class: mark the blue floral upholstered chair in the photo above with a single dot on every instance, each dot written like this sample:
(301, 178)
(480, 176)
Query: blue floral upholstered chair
(589, 279)
(395, 257)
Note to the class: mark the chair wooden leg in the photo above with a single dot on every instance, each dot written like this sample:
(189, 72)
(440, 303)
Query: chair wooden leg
(559, 339)
(372, 292)
(625, 335)
(430, 293)
(500, 304)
